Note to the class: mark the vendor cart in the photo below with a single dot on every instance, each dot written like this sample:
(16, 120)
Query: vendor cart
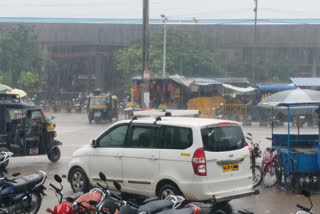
(299, 153)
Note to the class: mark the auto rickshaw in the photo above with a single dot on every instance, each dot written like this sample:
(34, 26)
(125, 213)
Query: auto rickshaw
(26, 129)
(102, 107)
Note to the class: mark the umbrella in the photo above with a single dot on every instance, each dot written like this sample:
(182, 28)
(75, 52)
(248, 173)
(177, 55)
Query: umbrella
(302, 99)
(292, 97)
(18, 92)
(4, 88)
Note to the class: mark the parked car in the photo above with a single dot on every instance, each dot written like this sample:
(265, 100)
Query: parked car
(202, 159)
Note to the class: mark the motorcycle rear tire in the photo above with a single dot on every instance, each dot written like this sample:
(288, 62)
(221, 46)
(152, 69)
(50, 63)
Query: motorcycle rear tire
(256, 170)
(34, 206)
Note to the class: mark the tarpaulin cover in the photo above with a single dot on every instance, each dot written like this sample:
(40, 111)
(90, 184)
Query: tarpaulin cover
(239, 89)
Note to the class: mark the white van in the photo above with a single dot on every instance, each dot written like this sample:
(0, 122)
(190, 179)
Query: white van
(203, 159)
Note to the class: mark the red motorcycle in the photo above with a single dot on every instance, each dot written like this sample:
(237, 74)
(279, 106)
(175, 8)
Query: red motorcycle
(77, 204)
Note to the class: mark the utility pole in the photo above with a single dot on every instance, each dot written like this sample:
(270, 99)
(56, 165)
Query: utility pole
(164, 44)
(255, 10)
(145, 52)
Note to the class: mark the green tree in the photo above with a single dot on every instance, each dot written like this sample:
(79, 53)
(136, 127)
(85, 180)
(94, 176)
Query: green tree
(274, 70)
(188, 53)
(29, 81)
(21, 51)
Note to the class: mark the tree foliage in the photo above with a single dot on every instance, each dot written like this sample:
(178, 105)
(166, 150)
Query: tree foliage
(188, 54)
(22, 53)
(29, 81)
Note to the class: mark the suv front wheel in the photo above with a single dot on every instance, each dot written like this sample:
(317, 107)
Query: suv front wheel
(79, 180)
(168, 189)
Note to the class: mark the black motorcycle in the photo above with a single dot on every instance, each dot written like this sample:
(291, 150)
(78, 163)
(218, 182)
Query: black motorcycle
(22, 194)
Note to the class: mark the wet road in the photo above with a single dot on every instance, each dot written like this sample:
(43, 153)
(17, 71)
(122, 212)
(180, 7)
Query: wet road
(74, 131)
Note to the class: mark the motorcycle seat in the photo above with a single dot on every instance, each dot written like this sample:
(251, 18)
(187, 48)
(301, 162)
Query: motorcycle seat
(178, 211)
(74, 197)
(155, 206)
(27, 182)
(150, 199)
(90, 196)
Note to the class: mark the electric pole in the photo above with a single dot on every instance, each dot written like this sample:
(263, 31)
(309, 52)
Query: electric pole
(145, 95)
(255, 41)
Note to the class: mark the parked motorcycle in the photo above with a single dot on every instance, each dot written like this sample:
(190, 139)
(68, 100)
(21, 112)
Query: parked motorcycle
(22, 194)
(255, 153)
(274, 121)
(79, 203)
(63, 207)
(4, 161)
(102, 201)
(299, 121)
(171, 205)
(77, 105)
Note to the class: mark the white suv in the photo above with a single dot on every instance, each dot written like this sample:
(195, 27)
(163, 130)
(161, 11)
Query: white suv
(203, 159)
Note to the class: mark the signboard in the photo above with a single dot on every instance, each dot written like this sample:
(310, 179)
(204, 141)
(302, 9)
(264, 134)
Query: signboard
(146, 75)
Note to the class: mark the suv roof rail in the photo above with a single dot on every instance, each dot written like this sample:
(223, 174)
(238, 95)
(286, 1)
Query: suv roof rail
(157, 119)
(168, 114)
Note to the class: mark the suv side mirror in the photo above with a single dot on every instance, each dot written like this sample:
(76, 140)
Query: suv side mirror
(94, 143)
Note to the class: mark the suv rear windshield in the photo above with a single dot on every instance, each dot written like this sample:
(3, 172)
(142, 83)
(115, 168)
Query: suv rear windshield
(221, 139)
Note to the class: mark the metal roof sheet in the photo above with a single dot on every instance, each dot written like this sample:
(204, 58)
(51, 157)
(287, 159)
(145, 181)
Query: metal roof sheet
(205, 81)
(233, 80)
(305, 81)
(276, 87)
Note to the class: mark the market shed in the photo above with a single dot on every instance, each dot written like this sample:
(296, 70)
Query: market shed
(306, 82)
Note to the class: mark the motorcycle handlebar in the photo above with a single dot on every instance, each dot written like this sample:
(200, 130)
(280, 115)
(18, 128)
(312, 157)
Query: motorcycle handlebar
(133, 204)
(101, 186)
(55, 188)
(303, 208)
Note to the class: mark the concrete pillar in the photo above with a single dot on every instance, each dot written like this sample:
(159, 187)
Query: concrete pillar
(99, 83)
(314, 57)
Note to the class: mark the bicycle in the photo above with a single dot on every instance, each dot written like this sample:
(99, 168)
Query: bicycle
(271, 166)
(289, 172)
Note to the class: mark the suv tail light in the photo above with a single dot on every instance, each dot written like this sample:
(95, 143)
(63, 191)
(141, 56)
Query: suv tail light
(250, 156)
(199, 162)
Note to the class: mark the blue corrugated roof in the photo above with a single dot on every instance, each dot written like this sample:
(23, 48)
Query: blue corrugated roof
(306, 81)
(276, 87)
(154, 21)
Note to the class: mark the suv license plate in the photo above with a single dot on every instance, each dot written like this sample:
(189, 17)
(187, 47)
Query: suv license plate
(230, 167)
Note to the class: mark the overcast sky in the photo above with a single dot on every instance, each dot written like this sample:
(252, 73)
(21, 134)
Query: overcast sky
(181, 9)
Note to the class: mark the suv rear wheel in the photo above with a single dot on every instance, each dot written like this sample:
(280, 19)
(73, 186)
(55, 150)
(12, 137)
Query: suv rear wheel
(168, 189)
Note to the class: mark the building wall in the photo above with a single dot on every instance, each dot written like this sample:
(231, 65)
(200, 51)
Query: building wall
(100, 42)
